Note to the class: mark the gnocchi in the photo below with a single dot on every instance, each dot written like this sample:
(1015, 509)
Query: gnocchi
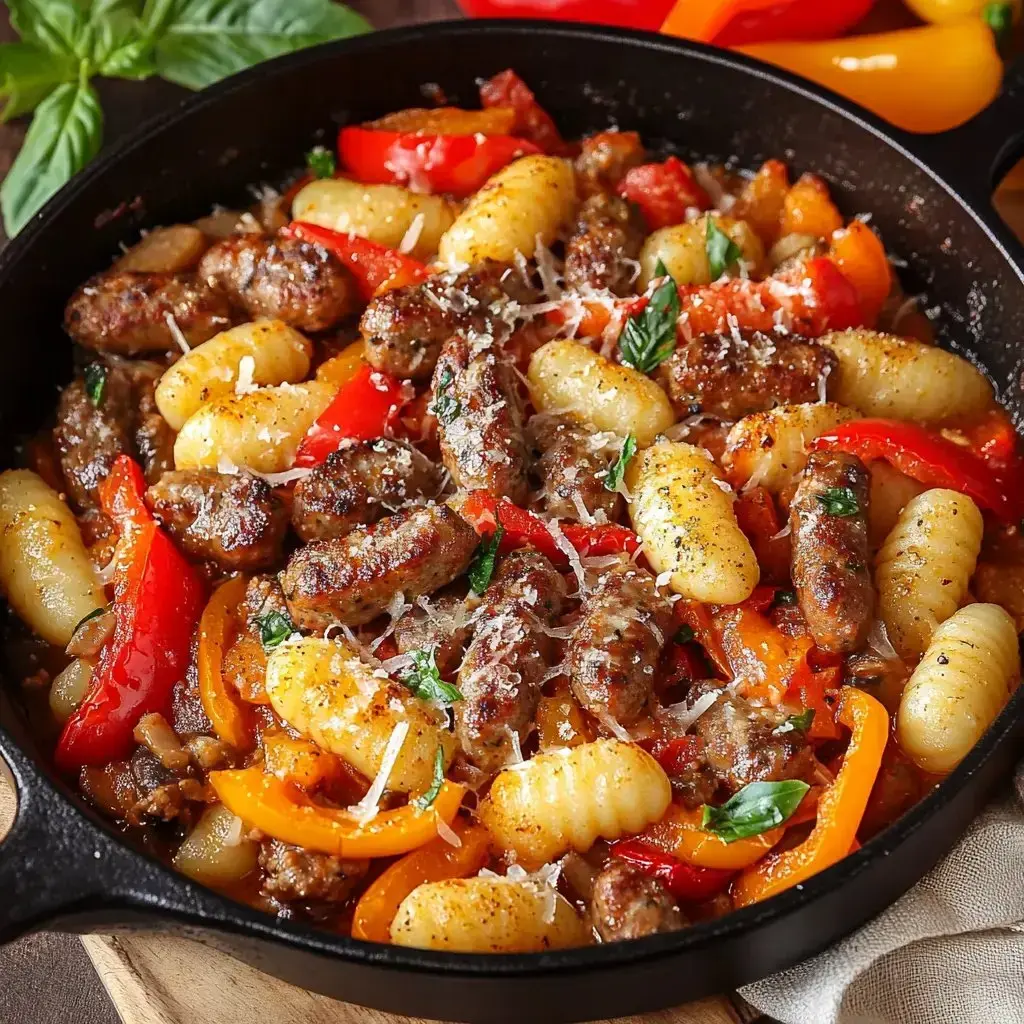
(565, 801)
(683, 250)
(45, 570)
(167, 250)
(682, 510)
(212, 370)
(965, 677)
(925, 565)
(567, 377)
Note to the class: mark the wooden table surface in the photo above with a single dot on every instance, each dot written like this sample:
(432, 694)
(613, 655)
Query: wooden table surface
(47, 978)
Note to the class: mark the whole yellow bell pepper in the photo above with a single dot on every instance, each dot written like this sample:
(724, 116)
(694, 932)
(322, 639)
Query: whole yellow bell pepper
(937, 11)
(927, 79)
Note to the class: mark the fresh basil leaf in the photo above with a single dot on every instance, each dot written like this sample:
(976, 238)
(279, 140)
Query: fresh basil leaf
(58, 26)
(28, 74)
(684, 635)
(446, 407)
(795, 723)
(275, 627)
(785, 597)
(613, 480)
(426, 801)
(198, 42)
(321, 162)
(481, 569)
(756, 808)
(721, 250)
(96, 612)
(95, 382)
(64, 136)
(649, 337)
(424, 680)
(839, 501)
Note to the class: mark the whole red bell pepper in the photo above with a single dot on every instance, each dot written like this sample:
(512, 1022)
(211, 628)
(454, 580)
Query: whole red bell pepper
(644, 14)
(533, 122)
(684, 881)
(931, 459)
(158, 599)
(458, 164)
(375, 267)
(664, 192)
(484, 511)
(362, 410)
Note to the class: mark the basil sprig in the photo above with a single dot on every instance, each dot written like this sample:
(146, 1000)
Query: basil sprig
(649, 337)
(275, 627)
(839, 501)
(613, 480)
(426, 801)
(424, 680)
(722, 252)
(481, 569)
(756, 808)
(66, 43)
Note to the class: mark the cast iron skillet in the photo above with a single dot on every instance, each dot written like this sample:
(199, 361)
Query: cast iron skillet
(62, 867)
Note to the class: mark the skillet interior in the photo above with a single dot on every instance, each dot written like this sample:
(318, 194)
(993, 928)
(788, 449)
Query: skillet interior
(254, 129)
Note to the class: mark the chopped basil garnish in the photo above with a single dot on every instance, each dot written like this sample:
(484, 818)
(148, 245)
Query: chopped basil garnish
(424, 680)
(785, 597)
(683, 635)
(795, 723)
(321, 162)
(839, 501)
(650, 336)
(274, 627)
(613, 480)
(86, 618)
(95, 383)
(721, 250)
(426, 801)
(481, 569)
(446, 407)
(756, 808)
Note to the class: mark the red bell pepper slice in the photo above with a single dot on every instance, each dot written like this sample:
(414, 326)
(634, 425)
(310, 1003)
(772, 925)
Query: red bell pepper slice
(675, 754)
(933, 460)
(158, 599)
(533, 122)
(684, 881)
(362, 410)
(484, 511)
(457, 164)
(663, 192)
(375, 267)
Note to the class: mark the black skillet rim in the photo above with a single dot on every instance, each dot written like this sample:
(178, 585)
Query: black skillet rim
(239, 918)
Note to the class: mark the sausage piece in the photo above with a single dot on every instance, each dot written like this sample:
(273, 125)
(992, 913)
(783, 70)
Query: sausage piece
(603, 249)
(614, 649)
(831, 554)
(119, 419)
(572, 469)
(604, 159)
(359, 484)
(501, 672)
(235, 521)
(292, 873)
(480, 419)
(404, 329)
(284, 278)
(628, 905)
(129, 312)
(733, 376)
(443, 626)
(352, 580)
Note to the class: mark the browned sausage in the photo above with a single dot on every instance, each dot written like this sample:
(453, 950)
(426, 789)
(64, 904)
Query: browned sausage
(123, 420)
(828, 520)
(572, 469)
(443, 626)
(292, 873)
(480, 419)
(604, 159)
(614, 649)
(628, 905)
(501, 673)
(605, 244)
(129, 312)
(235, 521)
(294, 281)
(359, 484)
(404, 329)
(352, 580)
(735, 376)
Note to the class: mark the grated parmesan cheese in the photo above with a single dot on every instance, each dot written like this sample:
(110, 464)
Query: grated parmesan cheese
(685, 715)
(447, 833)
(412, 235)
(244, 384)
(179, 339)
(366, 809)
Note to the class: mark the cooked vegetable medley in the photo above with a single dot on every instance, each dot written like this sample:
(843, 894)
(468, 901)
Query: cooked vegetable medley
(498, 543)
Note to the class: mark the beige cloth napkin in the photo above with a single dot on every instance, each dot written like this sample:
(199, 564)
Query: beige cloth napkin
(951, 951)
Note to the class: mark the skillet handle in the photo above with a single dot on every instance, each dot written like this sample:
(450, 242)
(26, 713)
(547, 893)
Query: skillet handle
(975, 157)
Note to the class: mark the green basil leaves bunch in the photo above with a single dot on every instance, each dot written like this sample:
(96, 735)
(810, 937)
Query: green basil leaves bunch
(64, 44)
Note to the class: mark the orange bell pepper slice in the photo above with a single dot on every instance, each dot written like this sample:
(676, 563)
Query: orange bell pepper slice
(860, 255)
(284, 812)
(808, 209)
(340, 369)
(435, 862)
(231, 719)
(704, 19)
(840, 808)
(679, 833)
